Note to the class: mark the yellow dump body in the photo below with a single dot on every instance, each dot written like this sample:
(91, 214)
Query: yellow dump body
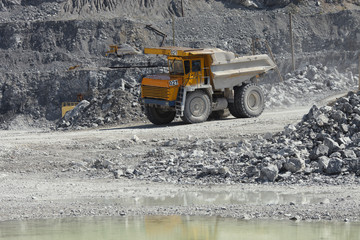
(67, 106)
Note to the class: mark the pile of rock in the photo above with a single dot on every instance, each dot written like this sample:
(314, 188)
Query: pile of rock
(325, 142)
(308, 85)
(331, 135)
(105, 107)
(323, 147)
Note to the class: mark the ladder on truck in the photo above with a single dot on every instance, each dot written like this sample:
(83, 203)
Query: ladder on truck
(180, 102)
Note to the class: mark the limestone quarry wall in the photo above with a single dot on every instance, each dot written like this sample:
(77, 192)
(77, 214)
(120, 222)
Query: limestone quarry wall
(38, 46)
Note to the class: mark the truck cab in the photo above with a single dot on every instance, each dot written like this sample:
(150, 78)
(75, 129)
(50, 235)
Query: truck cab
(163, 89)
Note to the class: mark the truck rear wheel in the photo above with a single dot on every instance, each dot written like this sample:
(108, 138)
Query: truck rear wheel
(159, 116)
(197, 107)
(248, 101)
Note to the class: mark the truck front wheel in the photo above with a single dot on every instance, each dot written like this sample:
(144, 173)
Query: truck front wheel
(159, 116)
(248, 101)
(197, 107)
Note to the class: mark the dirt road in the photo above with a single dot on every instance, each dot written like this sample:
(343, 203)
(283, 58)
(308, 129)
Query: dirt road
(269, 121)
(36, 151)
(43, 175)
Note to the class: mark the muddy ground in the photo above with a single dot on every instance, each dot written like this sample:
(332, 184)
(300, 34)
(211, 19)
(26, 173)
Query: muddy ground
(44, 175)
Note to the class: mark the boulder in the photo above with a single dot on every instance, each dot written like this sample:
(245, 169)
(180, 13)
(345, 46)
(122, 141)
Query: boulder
(311, 114)
(338, 116)
(289, 129)
(252, 171)
(344, 140)
(135, 139)
(77, 111)
(344, 127)
(354, 165)
(322, 120)
(118, 173)
(209, 169)
(347, 108)
(347, 153)
(331, 144)
(294, 165)
(357, 110)
(323, 162)
(356, 137)
(129, 171)
(269, 173)
(334, 166)
(321, 150)
(335, 154)
(224, 171)
(356, 121)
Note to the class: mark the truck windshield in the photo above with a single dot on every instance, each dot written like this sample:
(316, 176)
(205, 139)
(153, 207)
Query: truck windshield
(176, 67)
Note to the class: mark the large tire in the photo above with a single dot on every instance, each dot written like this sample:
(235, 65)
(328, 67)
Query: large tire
(218, 115)
(159, 116)
(197, 107)
(248, 101)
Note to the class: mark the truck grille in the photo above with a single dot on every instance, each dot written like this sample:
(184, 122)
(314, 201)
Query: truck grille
(155, 92)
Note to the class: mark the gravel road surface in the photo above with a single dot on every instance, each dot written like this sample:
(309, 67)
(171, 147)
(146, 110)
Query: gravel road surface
(43, 176)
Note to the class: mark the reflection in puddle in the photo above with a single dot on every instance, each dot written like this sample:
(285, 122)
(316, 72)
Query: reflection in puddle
(222, 198)
(174, 227)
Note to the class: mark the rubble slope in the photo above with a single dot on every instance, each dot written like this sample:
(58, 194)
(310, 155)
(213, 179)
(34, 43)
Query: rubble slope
(324, 147)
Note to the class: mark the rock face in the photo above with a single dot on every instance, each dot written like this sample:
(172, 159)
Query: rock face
(41, 41)
(89, 5)
(173, 6)
(120, 7)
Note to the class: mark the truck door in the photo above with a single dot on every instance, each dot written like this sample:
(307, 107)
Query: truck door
(194, 72)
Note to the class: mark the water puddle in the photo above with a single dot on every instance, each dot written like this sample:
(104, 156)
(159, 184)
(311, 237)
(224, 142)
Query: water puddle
(175, 228)
(199, 198)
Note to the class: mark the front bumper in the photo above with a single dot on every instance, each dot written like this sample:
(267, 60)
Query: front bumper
(158, 102)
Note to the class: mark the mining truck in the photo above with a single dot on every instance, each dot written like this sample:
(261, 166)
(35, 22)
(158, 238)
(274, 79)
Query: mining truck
(201, 82)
